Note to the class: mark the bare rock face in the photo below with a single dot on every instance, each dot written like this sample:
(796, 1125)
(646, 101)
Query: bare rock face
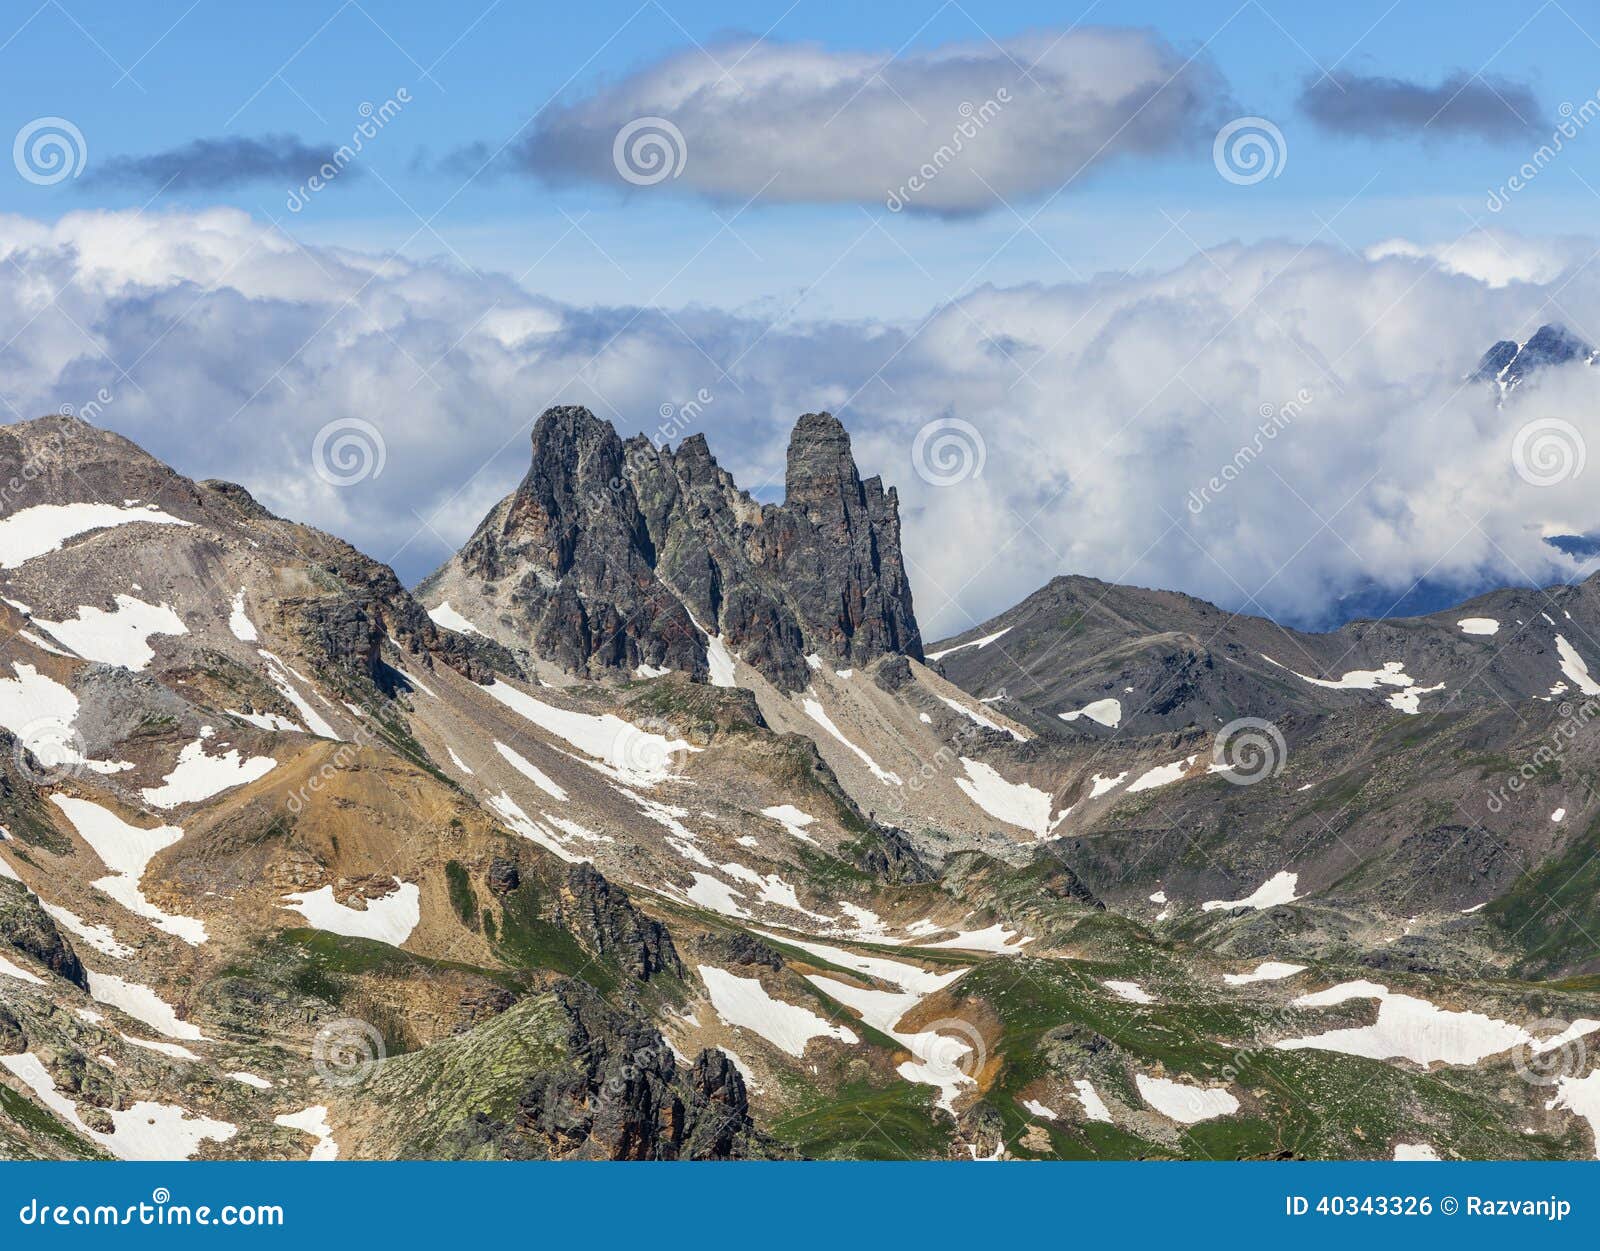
(570, 561)
(614, 554)
(717, 1125)
(26, 927)
(12, 1038)
(626, 1098)
(605, 921)
(891, 857)
(838, 541)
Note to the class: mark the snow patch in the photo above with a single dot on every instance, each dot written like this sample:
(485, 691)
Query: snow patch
(1479, 625)
(815, 711)
(1161, 775)
(1413, 1029)
(638, 757)
(40, 712)
(198, 776)
(1186, 1104)
(719, 661)
(1099, 786)
(997, 938)
(239, 621)
(388, 920)
(521, 823)
(1131, 991)
(1581, 1097)
(143, 1131)
(1392, 674)
(21, 974)
(1574, 668)
(988, 723)
(745, 1003)
(1094, 1106)
(531, 771)
(127, 851)
(1277, 889)
(117, 637)
(45, 527)
(142, 1004)
(938, 1058)
(99, 937)
(279, 673)
(1267, 971)
(450, 619)
(1015, 803)
(980, 644)
(1108, 712)
(268, 721)
(714, 893)
(792, 819)
(313, 1121)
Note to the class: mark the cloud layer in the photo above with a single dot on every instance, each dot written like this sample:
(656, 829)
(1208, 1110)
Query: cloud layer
(953, 130)
(1488, 108)
(1103, 409)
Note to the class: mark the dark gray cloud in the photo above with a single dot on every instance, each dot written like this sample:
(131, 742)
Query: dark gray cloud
(220, 163)
(1463, 104)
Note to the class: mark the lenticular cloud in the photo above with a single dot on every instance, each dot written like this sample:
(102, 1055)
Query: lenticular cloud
(799, 123)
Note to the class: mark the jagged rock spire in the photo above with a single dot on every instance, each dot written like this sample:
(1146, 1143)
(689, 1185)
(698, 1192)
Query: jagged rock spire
(611, 555)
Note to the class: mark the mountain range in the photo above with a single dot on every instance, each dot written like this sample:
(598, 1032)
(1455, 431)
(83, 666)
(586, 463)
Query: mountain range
(648, 827)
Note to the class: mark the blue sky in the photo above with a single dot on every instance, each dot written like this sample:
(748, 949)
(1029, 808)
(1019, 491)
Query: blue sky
(142, 78)
(1086, 291)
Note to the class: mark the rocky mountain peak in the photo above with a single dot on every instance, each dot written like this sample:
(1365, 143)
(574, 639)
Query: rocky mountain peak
(613, 555)
(821, 472)
(1509, 362)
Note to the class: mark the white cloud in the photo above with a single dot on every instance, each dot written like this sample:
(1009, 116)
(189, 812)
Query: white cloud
(801, 123)
(1102, 405)
(1492, 256)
